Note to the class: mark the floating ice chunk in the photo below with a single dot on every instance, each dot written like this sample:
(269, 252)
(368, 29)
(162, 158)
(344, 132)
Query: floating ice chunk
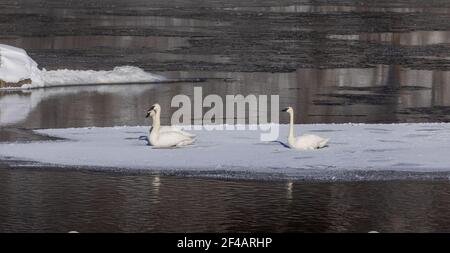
(16, 66)
(122, 74)
(351, 149)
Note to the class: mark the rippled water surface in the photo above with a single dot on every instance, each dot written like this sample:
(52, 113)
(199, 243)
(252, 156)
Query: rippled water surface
(35, 200)
(334, 61)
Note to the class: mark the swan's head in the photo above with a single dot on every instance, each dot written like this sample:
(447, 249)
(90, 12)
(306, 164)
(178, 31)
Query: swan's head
(153, 110)
(288, 110)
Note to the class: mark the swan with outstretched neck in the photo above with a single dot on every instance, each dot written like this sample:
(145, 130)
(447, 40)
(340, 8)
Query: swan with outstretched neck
(166, 136)
(304, 142)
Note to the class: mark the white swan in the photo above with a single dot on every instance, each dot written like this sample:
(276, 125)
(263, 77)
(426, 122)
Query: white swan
(304, 142)
(163, 129)
(167, 136)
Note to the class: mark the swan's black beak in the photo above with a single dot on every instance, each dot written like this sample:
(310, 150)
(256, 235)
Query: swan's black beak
(285, 109)
(149, 110)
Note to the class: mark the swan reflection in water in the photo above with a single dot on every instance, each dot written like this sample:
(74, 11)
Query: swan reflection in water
(289, 188)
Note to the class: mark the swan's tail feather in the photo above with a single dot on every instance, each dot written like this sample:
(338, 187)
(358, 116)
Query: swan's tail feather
(323, 143)
(187, 134)
(187, 141)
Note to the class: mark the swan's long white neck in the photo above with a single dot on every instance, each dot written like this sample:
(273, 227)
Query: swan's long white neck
(291, 136)
(156, 125)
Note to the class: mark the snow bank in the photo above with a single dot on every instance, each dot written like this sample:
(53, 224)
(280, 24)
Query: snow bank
(16, 65)
(352, 147)
(123, 74)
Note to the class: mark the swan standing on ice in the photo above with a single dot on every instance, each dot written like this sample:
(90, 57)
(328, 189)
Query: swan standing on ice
(304, 142)
(166, 136)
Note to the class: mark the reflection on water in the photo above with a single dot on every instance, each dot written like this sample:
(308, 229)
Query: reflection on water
(345, 95)
(234, 36)
(296, 8)
(225, 36)
(17, 106)
(86, 42)
(372, 95)
(156, 183)
(61, 201)
(160, 22)
(415, 38)
(336, 9)
(134, 47)
(379, 94)
(289, 188)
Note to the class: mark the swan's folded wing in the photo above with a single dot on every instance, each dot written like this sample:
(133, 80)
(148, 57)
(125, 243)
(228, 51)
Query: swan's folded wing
(173, 138)
(175, 129)
(310, 141)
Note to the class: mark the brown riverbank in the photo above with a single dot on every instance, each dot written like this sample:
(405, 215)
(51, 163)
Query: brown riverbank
(4, 84)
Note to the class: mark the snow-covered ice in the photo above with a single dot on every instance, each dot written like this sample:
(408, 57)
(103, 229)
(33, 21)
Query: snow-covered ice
(421, 147)
(16, 65)
(122, 74)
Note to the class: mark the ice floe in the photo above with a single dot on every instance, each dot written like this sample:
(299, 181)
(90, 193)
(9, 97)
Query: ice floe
(418, 147)
(16, 65)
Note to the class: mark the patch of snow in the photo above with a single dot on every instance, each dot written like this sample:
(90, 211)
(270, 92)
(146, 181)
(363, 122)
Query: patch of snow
(418, 147)
(16, 65)
(122, 74)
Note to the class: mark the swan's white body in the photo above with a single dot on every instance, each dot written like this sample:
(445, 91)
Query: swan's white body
(304, 142)
(307, 142)
(163, 129)
(166, 136)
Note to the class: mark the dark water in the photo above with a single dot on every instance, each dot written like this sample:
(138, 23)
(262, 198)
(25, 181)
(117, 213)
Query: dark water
(335, 61)
(35, 200)
(319, 96)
